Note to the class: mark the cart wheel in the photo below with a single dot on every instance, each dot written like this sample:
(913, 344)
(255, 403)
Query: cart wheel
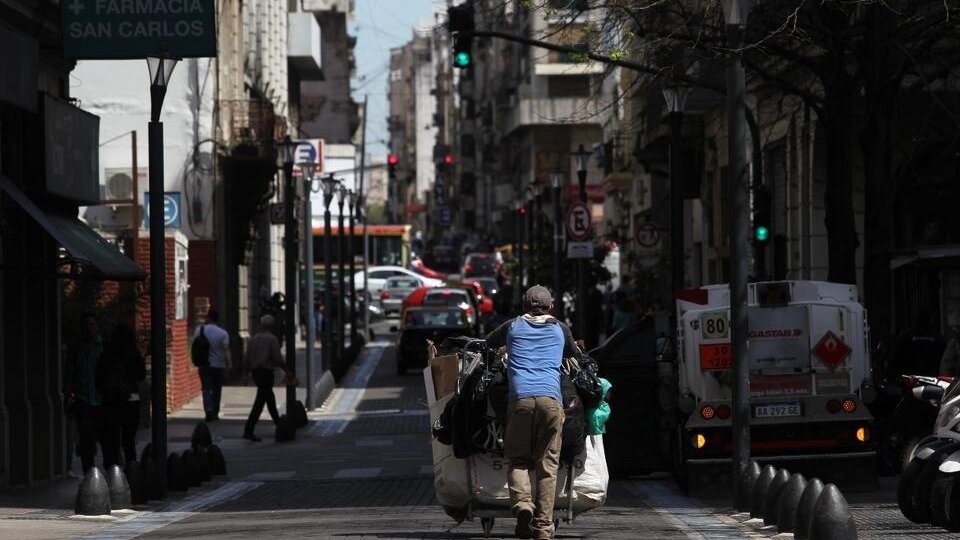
(487, 524)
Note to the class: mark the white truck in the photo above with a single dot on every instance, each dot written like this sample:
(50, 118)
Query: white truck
(810, 376)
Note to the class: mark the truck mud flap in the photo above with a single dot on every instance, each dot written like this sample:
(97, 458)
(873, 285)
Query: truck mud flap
(850, 472)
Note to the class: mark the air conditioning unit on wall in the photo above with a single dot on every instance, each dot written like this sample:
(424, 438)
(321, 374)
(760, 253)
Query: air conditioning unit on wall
(118, 186)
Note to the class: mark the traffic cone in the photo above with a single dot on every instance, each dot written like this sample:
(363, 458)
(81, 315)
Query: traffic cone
(176, 474)
(745, 491)
(788, 503)
(805, 509)
(773, 496)
(120, 498)
(93, 495)
(218, 465)
(832, 519)
(760, 488)
(201, 435)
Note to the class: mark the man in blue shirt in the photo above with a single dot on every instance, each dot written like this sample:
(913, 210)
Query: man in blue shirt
(536, 345)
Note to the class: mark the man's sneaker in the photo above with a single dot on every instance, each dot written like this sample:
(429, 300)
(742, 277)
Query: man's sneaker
(522, 530)
(251, 437)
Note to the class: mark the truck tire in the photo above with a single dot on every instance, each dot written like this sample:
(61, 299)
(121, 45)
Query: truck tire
(678, 462)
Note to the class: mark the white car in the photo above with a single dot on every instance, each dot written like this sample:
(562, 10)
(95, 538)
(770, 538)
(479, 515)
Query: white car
(378, 275)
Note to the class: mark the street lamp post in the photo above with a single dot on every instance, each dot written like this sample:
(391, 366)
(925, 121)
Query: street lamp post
(582, 156)
(537, 209)
(160, 71)
(735, 14)
(328, 183)
(285, 152)
(352, 203)
(555, 180)
(675, 98)
(308, 169)
(341, 287)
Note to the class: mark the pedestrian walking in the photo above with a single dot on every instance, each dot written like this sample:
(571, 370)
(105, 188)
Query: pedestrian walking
(119, 375)
(262, 357)
(218, 361)
(82, 399)
(536, 345)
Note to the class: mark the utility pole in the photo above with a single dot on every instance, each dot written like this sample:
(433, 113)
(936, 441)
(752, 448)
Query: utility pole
(290, 259)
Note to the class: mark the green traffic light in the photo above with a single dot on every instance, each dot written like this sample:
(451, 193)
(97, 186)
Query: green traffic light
(761, 233)
(462, 59)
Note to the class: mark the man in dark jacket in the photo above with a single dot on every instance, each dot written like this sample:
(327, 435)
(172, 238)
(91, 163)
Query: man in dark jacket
(262, 357)
(536, 345)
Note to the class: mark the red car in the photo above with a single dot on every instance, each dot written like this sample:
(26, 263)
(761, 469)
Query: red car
(478, 301)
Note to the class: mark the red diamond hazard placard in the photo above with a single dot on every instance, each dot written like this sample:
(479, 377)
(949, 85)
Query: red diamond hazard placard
(831, 350)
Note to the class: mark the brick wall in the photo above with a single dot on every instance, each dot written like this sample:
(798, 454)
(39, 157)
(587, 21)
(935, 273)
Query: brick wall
(183, 383)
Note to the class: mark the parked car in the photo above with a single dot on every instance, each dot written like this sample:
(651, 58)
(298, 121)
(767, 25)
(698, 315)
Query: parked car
(377, 276)
(395, 290)
(480, 265)
(468, 297)
(489, 285)
(434, 323)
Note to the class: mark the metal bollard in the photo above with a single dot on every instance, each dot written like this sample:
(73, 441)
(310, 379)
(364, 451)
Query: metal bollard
(218, 464)
(832, 519)
(745, 491)
(773, 496)
(93, 495)
(176, 474)
(137, 483)
(201, 436)
(805, 509)
(789, 502)
(760, 488)
(120, 498)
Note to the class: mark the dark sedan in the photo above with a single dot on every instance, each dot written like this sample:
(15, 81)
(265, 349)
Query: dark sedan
(427, 323)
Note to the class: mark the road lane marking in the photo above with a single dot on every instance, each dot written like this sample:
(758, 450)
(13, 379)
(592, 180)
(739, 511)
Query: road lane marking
(363, 472)
(150, 521)
(277, 475)
(344, 399)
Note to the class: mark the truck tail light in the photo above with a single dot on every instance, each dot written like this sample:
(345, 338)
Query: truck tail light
(723, 412)
(707, 412)
(699, 440)
(863, 434)
(833, 406)
(849, 405)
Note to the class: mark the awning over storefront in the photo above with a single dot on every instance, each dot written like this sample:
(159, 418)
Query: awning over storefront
(932, 254)
(82, 243)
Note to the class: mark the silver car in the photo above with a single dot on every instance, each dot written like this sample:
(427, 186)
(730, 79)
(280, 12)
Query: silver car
(395, 289)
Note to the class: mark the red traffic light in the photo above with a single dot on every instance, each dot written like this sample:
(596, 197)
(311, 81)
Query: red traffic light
(392, 159)
(448, 159)
(523, 210)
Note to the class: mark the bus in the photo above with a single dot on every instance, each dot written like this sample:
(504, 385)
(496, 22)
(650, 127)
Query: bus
(389, 245)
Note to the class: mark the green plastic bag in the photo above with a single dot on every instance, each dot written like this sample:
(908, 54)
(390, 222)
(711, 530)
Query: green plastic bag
(597, 418)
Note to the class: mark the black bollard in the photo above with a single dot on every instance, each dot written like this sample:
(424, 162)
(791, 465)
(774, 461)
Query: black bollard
(176, 474)
(147, 452)
(832, 519)
(120, 498)
(788, 503)
(201, 436)
(745, 491)
(773, 496)
(137, 483)
(808, 500)
(298, 415)
(218, 464)
(204, 462)
(93, 495)
(760, 488)
(151, 479)
(193, 475)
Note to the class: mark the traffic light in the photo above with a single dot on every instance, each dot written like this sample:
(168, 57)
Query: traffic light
(392, 161)
(761, 215)
(448, 159)
(460, 26)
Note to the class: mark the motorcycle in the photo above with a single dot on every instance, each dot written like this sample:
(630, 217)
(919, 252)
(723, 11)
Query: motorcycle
(915, 414)
(928, 488)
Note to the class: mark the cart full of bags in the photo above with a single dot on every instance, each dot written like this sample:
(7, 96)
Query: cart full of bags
(467, 391)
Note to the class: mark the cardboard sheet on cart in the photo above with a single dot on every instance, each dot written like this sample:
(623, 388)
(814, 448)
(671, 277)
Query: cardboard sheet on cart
(440, 376)
(486, 474)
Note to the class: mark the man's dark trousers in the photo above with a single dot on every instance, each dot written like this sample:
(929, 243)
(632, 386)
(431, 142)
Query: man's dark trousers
(263, 378)
(211, 379)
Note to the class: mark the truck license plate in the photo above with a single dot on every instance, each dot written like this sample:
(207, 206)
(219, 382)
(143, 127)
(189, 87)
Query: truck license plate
(777, 410)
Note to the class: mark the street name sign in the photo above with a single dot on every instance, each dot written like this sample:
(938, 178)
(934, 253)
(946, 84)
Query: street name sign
(580, 250)
(578, 222)
(130, 29)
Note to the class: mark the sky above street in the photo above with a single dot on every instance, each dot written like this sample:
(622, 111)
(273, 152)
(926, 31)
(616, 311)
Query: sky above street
(380, 25)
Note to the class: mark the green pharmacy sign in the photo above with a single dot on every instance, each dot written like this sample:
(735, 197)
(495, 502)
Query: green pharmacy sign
(130, 29)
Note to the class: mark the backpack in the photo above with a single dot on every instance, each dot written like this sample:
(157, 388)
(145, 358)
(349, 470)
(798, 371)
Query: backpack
(200, 349)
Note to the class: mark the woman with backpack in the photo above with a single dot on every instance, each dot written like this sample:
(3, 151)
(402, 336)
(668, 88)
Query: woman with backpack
(119, 374)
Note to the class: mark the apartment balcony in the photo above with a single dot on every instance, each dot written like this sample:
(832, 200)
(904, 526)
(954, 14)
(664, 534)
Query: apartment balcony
(303, 45)
(250, 120)
(530, 112)
(568, 68)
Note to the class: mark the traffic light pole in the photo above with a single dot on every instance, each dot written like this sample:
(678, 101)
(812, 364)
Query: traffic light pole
(676, 203)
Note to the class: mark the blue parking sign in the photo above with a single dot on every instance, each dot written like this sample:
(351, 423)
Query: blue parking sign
(171, 210)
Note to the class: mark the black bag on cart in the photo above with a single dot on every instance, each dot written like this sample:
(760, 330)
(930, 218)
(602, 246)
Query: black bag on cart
(574, 423)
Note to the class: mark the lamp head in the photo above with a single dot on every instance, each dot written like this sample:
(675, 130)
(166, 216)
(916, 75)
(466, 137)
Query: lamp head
(675, 98)
(329, 183)
(342, 193)
(556, 179)
(286, 150)
(161, 69)
(351, 198)
(582, 157)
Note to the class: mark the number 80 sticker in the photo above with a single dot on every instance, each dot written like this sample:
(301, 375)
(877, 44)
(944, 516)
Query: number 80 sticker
(714, 326)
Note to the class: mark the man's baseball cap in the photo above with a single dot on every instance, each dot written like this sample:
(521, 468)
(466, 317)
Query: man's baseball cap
(538, 296)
